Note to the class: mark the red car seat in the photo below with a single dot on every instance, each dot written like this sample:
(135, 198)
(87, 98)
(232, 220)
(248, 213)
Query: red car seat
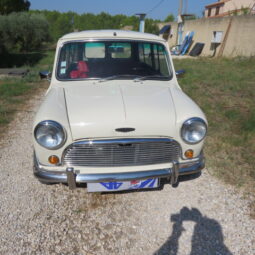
(81, 72)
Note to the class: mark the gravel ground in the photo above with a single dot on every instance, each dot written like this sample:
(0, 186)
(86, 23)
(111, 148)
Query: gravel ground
(199, 217)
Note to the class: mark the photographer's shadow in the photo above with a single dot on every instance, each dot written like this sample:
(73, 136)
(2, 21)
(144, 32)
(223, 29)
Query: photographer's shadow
(207, 238)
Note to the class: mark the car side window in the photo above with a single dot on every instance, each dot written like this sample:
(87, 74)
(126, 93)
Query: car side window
(68, 59)
(145, 55)
(155, 56)
(160, 59)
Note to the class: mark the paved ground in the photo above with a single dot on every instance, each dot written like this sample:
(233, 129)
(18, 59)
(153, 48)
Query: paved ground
(199, 217)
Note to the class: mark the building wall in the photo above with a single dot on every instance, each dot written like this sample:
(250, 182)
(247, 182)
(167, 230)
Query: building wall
(240, 39)
(237, 5)
(230, 7)
(212, 11)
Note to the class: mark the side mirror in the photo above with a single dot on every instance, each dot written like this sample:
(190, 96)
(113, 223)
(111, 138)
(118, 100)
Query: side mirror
(180, 73)
(45, 75)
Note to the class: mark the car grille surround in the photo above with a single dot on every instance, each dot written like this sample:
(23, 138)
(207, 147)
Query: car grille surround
(121, 152)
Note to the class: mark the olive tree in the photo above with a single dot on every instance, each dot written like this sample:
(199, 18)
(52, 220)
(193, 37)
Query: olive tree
(23, 31)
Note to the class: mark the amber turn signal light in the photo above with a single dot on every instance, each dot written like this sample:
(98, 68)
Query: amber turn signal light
(54, 160)
(189, 153)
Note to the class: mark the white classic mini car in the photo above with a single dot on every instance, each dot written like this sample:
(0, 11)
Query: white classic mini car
(114, 116)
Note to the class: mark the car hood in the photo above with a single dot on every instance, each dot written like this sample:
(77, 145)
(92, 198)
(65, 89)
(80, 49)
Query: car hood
(96, 110)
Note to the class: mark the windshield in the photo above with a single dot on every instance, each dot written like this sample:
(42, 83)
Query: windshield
(114, 59)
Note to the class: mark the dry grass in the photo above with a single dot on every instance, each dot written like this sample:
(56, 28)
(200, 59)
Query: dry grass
(224, 89)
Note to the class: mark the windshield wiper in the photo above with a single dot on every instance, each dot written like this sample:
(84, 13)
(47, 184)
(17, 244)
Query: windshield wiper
(136, 77)
(114, 77)
(152, 77)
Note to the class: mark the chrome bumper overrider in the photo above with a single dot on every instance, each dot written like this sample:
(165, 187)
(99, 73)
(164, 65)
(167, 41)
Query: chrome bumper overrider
(71, 177)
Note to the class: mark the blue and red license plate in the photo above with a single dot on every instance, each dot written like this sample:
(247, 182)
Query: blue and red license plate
(125, 185)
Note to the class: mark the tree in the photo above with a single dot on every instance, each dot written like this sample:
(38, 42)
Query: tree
(8, 6)
(63, 23)
(23, 31)
(169, 18)
(151, 26)
(2, 25)
(191, 17)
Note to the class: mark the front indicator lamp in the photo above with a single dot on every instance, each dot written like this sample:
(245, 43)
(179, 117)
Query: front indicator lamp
(53, 159)
(189, 154)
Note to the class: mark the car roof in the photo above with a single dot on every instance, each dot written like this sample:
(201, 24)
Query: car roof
(110, 34)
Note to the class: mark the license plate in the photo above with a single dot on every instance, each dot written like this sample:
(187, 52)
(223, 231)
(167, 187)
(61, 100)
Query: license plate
(125, 185)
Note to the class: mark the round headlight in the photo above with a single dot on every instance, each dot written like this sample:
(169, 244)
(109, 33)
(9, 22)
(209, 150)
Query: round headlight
(193, 130)
(50, 134)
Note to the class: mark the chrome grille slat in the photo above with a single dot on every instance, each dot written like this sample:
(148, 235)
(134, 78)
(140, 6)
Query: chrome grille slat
(116, 153)
(124, 156)
(145, 154)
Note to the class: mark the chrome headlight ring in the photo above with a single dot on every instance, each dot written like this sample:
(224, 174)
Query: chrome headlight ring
(50, 134)
(193, 130)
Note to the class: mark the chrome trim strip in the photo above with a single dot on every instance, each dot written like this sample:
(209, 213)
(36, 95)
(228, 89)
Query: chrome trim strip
(56, 177)
(123, 141)
(128, 176)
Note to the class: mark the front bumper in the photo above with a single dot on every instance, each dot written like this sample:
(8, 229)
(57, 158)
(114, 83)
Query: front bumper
(71, 177)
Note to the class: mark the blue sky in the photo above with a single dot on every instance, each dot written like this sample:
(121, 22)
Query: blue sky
(127, 7)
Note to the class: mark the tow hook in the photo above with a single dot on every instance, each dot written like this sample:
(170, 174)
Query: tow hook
(71, 176)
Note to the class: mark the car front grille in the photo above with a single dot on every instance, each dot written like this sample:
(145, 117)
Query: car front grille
(121, 152)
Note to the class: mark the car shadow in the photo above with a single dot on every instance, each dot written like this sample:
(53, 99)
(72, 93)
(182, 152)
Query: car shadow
(207, 238)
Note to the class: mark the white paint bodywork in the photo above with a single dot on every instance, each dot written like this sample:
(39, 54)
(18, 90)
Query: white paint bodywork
(89, 109)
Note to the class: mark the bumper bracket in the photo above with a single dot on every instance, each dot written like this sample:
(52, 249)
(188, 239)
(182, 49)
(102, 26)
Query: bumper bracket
(175, 173)
(71, 178)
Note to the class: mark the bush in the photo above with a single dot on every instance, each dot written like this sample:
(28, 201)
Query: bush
(23, 31)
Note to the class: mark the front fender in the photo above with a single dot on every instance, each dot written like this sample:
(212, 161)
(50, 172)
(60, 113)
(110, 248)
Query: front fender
(186, 108)
(52, 108)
